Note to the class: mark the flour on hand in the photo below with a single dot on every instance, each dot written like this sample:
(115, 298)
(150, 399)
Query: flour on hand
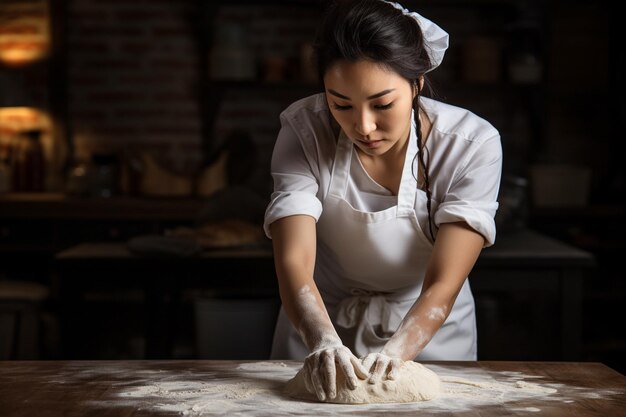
(413, 383)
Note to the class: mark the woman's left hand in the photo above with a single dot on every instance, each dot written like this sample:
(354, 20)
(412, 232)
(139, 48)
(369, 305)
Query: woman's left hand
(379, 365)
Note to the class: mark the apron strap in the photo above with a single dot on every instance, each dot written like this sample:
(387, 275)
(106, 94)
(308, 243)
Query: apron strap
(341, 167)
(408, 184)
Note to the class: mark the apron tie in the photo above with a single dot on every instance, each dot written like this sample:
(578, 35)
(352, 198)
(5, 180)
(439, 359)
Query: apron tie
(375, 317)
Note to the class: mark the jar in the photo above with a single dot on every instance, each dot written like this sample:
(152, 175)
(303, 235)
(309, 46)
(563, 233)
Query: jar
(231, 56)
(104, 175)
(78, 180)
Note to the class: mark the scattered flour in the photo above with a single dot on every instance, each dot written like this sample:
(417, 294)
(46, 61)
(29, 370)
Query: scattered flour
(259, 392)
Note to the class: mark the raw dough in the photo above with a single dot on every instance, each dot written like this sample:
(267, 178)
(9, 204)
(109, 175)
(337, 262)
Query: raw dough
(414, 383)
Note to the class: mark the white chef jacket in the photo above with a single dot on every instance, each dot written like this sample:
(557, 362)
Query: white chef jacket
(465, 159)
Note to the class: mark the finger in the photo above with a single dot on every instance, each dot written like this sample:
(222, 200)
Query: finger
(394, 369)
(368, 361)
(329, 375)
(380, 366)
(318, 385)
(358, 367)
(316, 382)
(307, 378)
(345, 365)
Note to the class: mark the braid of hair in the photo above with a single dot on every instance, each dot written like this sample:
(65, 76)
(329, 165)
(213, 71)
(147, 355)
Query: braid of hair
(421, 149)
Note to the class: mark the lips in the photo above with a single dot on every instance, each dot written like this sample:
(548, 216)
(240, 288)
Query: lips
(371, 143)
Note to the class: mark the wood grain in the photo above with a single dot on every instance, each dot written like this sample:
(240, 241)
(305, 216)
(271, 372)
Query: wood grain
(90, 388)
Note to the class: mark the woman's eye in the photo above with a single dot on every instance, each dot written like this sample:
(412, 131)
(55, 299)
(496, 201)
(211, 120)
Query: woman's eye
(384, 106)
(338, 107)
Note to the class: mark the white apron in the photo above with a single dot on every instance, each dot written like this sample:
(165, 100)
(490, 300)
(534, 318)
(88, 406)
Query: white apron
(370, 268)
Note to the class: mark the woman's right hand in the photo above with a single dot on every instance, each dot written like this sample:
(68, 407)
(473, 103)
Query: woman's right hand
(320, 370)
(294, 243)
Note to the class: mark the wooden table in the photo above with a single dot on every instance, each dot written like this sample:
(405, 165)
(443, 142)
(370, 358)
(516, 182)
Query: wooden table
(149, 388)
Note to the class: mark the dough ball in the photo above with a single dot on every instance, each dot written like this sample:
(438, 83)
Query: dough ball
(413, 383)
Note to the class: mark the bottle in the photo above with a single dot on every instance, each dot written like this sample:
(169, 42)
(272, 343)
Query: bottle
(5, 176)
(29, 162)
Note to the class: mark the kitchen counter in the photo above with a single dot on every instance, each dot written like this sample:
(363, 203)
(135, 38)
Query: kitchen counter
(160, 388)
(524, 263)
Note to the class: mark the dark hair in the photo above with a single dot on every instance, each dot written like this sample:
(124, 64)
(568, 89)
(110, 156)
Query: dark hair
(374, 30)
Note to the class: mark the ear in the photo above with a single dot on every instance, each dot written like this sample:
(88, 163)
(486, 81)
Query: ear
(420, 80)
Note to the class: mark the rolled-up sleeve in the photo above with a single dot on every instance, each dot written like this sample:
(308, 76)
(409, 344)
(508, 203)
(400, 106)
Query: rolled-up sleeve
(295, 175)
(473, 195)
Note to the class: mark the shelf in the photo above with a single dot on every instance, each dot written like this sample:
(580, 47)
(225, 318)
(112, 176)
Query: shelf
(593, 212)
(262, 85)
(499, 4)
(267, 3)
(60, 206)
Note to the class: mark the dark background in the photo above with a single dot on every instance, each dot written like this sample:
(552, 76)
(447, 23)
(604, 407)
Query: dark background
(159, 114)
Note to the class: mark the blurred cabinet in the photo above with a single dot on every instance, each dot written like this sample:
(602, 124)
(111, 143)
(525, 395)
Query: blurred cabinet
(529, 300)
(163, 301)
(527, 290)
(597, 229)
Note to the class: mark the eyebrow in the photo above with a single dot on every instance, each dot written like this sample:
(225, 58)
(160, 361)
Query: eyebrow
(373, 96)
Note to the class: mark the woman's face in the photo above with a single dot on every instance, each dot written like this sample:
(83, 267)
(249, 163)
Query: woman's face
(372, 105)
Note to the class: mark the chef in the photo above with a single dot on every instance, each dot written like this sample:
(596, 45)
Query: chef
(383, 199)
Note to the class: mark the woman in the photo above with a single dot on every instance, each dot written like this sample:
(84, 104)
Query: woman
(382, 202)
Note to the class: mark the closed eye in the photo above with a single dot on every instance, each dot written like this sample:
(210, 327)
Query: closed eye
(338, 107)
(378, 107)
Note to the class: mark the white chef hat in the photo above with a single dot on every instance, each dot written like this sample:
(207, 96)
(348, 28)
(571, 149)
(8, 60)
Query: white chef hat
(435, 38)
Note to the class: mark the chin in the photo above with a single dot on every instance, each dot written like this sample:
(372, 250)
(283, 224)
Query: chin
(374, 151)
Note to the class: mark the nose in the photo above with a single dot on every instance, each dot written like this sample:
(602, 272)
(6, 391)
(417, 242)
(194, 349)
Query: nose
(364, 123)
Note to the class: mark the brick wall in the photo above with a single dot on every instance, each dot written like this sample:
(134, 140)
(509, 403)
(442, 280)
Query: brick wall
(135, 75)
(132, 74)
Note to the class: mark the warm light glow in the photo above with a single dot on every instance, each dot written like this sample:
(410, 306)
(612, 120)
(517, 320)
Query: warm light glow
(15, 120)
(21, 118)
(24, 31)
(18, 119)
